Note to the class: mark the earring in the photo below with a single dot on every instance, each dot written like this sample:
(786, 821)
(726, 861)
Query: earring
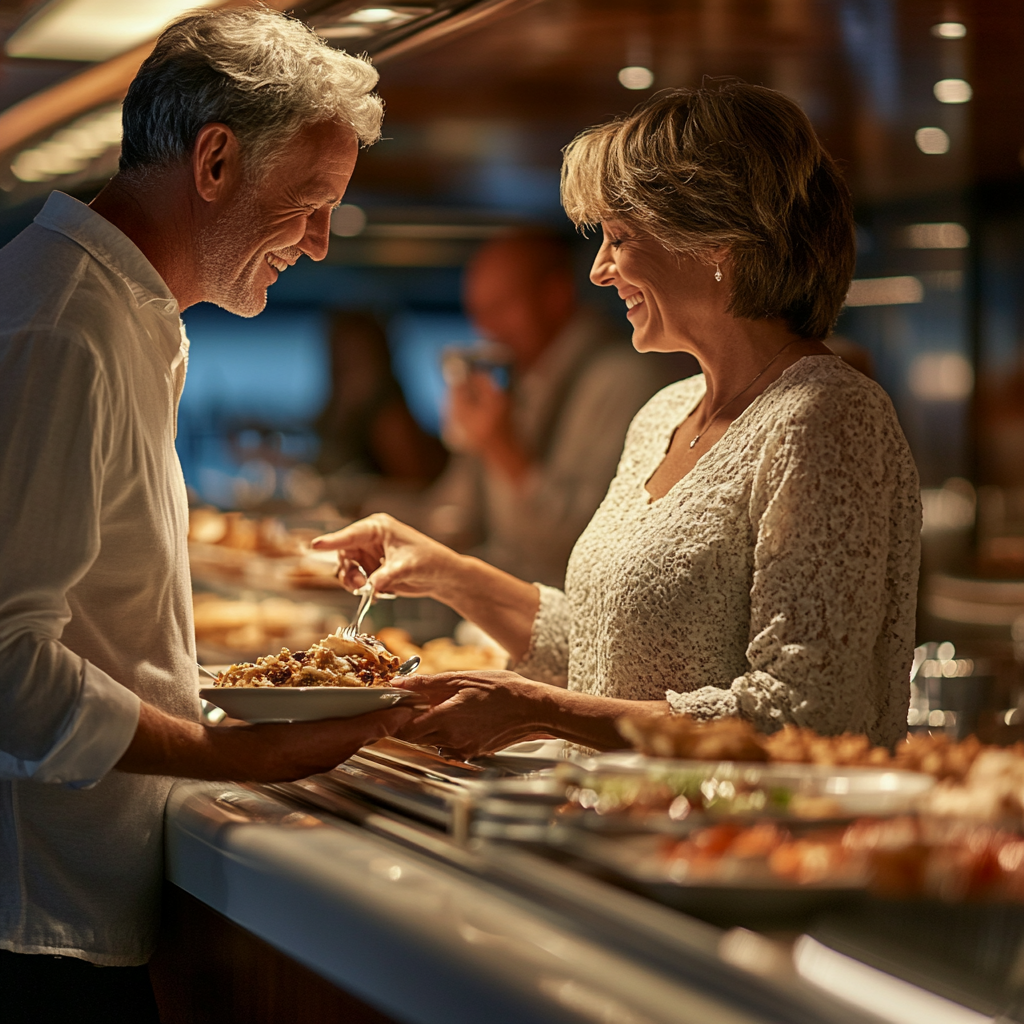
(718, 272)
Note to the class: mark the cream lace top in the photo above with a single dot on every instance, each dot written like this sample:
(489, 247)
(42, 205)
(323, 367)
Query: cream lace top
(776, 581)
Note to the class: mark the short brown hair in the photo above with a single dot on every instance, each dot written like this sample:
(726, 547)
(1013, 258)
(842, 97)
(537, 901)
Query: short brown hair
(735, 166)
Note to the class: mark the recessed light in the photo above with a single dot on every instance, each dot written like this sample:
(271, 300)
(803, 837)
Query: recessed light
(636, 77)
(374, 15)
(933, 141)
(949, 30)
(952, 90)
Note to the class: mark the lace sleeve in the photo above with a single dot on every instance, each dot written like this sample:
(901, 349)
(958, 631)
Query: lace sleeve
(836, 519)
(547, 658)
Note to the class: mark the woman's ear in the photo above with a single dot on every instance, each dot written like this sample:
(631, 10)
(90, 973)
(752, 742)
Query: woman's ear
(216, 162)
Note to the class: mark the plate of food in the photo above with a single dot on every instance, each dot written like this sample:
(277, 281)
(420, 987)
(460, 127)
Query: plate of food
(336, 677)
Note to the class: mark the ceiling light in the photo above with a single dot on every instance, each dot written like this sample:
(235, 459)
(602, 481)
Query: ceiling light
(933, 141)
(949, 30)
(94, 30)
(348, 220)
(936, 236)
(636, 77)
(72, 148)
(369, 21)
(952, 90)
(885, 291)
(373, 15)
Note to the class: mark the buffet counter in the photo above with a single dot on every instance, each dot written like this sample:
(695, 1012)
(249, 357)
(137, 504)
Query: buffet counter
(438, 927)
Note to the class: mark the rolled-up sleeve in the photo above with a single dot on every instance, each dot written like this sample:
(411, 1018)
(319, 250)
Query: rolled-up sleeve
(62, 720)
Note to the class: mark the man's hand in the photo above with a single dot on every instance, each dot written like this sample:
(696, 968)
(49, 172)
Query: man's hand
(165, 745)
(479, 421)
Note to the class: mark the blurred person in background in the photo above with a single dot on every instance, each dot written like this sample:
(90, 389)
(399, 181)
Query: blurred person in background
(241, 132)
(532, 462)
(366, 428)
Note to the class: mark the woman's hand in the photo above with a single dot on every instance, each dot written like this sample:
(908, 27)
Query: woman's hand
(474, 713)
(404, 561)
(401, 560)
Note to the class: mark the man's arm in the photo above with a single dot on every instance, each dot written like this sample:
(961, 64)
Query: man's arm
(165, 745)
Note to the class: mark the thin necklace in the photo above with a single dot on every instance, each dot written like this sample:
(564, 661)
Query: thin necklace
(744, 391)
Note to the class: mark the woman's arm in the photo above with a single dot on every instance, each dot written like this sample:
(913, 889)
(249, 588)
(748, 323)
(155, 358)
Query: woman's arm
(475, 713)
(401, 560)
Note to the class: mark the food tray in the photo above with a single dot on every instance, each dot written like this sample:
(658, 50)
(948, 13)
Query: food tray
(735, 890)
(623, 783)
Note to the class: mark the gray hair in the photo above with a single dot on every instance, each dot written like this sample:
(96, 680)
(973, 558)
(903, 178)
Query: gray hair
(263, 74)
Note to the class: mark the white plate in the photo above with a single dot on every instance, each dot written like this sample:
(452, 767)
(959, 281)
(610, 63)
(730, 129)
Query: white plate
(301, 703)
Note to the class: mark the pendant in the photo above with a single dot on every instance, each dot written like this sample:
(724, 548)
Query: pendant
(695, 440)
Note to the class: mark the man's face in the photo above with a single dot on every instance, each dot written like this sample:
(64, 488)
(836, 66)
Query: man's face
(512, 298)
(267, 224)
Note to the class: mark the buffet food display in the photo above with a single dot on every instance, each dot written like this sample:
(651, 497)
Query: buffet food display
(443, 654)
(240, 629)
(233, 547)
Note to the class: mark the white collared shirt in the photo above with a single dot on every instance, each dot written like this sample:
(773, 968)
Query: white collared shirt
(95, 607)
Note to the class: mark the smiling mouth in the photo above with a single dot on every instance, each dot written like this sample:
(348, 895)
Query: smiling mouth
(276, 262)
(633, 300)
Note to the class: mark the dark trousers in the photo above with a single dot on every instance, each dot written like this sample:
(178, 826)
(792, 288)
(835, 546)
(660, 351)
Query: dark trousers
(41, 989)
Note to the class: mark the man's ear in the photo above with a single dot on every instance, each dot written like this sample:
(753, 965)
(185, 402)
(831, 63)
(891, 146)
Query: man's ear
(216, 162)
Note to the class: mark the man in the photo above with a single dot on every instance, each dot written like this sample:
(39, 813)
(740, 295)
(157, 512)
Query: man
(537, 459)
(241, 134)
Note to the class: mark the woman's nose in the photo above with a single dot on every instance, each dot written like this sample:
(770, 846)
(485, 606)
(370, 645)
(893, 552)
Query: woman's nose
(602, 273)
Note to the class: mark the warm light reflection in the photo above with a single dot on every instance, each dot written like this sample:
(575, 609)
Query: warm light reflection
(888, 998)
(949, 30)
(94, 29)
(952, 90)
(636, 77)
(72, 148)
(936, 236)
(348, 221)
(933, 141)
(941, 377)
(885, 291)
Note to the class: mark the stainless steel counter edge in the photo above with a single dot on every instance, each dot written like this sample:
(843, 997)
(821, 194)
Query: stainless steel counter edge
(417, 939)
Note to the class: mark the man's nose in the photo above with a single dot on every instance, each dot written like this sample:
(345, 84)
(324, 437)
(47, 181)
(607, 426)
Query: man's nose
(317, 238)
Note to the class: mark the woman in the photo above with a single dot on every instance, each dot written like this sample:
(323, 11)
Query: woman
(757, 552)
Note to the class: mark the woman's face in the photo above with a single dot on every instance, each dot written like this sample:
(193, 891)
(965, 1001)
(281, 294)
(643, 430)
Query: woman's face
(672, 301)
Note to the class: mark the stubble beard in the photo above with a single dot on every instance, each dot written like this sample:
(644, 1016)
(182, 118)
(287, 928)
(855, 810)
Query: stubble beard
(229, 258)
